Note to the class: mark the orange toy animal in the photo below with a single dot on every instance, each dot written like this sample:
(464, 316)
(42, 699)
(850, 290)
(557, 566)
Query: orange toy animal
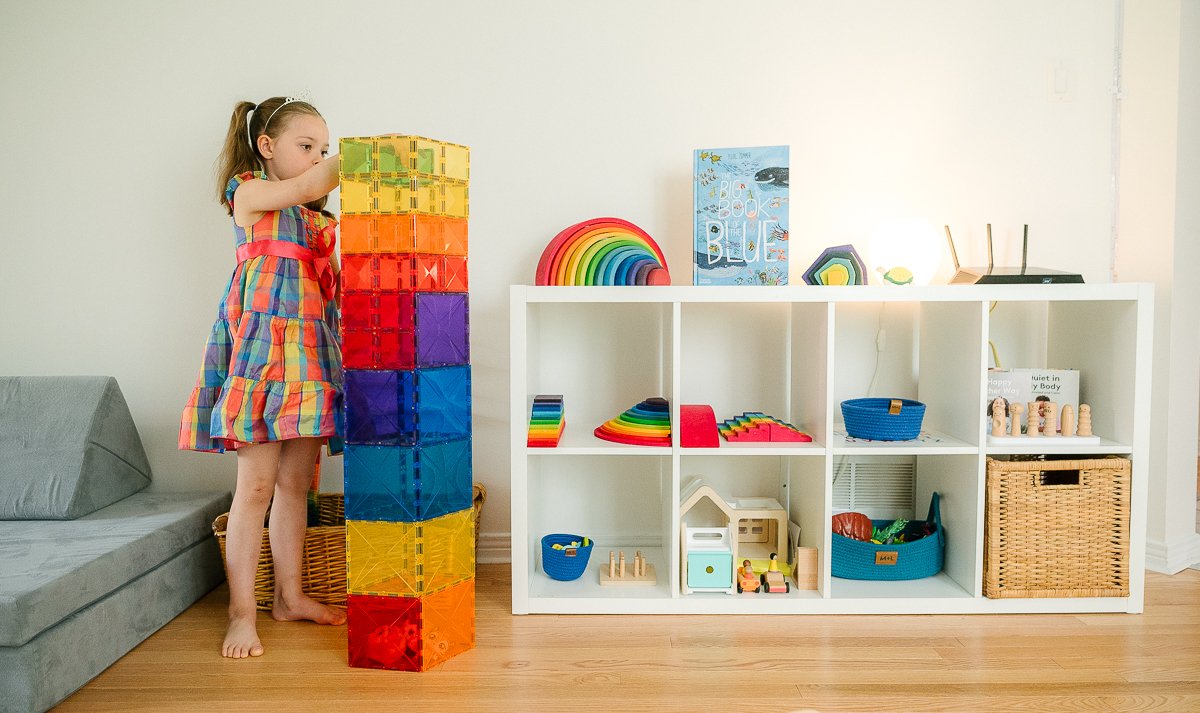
(854, 525)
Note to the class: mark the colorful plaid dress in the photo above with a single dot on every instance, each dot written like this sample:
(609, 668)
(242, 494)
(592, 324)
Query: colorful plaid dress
(272, 367)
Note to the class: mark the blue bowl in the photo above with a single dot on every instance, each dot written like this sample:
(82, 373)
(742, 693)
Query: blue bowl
(869, 419)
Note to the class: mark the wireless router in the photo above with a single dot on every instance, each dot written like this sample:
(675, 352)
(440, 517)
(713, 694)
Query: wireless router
(1023, 275)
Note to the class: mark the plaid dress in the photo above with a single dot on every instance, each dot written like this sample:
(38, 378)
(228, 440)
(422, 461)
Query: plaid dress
(272, 367)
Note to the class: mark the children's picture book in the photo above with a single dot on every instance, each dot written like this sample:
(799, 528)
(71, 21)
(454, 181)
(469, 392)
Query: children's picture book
(1024, 386)
(741, 219)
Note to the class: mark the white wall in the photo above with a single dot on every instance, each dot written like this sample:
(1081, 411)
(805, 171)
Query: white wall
(114, 252)
(1157, 227)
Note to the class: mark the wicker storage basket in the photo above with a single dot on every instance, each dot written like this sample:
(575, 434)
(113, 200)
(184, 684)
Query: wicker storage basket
(1057, 528)
(323, 569)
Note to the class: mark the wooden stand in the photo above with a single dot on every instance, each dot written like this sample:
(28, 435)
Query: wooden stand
(615, 572)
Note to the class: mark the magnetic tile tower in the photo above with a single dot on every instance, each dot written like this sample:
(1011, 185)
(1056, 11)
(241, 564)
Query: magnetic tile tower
(410, 546)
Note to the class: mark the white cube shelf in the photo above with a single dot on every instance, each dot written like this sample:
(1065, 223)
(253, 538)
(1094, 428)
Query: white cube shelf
(797, 353)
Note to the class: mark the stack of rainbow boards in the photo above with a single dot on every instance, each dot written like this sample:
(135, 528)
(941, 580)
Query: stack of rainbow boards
(546, 421)
(647, 424)
(756, 427)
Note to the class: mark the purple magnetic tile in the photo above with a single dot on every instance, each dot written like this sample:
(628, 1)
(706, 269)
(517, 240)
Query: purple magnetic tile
(442, 329)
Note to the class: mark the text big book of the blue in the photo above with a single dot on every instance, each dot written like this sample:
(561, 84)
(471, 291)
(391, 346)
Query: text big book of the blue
(741, 219)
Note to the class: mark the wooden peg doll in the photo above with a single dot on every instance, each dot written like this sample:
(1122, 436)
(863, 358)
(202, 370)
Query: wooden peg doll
(1067, 424)
(1085, 420)
(998, 417)
(1033, 425)
(1050, 427)
(1017, 409)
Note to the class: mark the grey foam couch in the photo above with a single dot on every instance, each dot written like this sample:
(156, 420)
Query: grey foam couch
(90, 563)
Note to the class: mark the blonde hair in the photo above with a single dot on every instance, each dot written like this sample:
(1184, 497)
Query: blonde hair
(240, 152)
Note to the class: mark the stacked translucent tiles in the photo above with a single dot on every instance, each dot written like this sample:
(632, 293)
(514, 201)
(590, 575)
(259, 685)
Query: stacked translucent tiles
(410, 546)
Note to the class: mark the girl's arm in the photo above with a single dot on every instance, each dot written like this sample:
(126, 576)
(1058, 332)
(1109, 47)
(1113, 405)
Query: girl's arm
(254, 199)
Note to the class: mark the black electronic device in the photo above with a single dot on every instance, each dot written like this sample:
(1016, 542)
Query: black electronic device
(991, 275)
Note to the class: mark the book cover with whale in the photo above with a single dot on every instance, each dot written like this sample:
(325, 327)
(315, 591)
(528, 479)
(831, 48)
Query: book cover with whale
(741, 219)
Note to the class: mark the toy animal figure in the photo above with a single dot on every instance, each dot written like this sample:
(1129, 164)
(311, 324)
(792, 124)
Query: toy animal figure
(1017, 409)
(1085, 420)
(998, 417)
(1033, 426)
(1051, 425)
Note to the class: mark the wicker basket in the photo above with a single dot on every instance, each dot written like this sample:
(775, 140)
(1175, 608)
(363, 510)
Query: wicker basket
(323, 569)
(1057, 528)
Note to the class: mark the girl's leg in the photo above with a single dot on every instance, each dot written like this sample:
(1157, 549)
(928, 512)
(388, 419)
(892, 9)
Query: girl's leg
(288, 520)
(257, 468)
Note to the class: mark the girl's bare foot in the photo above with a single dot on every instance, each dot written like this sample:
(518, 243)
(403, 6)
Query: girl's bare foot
(302, 607)
(241, 638)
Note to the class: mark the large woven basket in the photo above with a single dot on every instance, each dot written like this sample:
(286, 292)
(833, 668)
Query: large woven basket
(323, 569)
(1057, 528)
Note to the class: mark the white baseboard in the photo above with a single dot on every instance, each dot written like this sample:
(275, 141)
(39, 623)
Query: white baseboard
(495, 548)
(1173, 557)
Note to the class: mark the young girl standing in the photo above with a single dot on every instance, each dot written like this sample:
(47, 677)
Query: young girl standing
(271, 383)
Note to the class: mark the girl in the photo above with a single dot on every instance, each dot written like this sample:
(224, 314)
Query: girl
(270, 385)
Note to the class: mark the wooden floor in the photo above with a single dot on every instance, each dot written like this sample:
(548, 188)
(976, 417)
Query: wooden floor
(1094, 662)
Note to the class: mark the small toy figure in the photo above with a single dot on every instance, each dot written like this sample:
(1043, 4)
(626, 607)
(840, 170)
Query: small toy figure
(1017, 409)
(1033, 426)
(1050, 428)
(998, 417)
(1085, 420)
(773, 580)
(747, 582)
(1068, 420)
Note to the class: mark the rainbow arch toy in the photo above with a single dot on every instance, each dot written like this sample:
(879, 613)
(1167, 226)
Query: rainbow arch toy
(647, 424)
(603, 251)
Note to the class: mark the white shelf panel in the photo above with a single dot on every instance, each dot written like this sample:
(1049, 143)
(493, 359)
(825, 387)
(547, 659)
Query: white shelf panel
(930, 443)
(1096, 292)
(939, 586)
(578, 442)
(1057, 446)
(758, 449)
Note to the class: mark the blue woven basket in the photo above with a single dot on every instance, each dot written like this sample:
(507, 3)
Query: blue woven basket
(855, 559)
(568, 564)
(870, 419)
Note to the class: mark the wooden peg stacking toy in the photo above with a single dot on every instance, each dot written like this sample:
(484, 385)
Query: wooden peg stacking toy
(1016, 410)
(998, 417)
(1085, 420)
(1033, 426)
(1050, 425)
(1067, 424)
(410, 530)
(616, 572)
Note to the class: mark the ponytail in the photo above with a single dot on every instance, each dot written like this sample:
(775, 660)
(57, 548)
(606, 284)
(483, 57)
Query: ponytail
(237, 155)
(240, 153)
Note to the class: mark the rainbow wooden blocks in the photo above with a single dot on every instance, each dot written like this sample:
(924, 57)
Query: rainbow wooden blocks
(756, 427)
(546, 421)
(410, 552)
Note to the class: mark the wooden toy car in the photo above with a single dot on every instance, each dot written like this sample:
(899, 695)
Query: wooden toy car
(746, 581)
(773, 581)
